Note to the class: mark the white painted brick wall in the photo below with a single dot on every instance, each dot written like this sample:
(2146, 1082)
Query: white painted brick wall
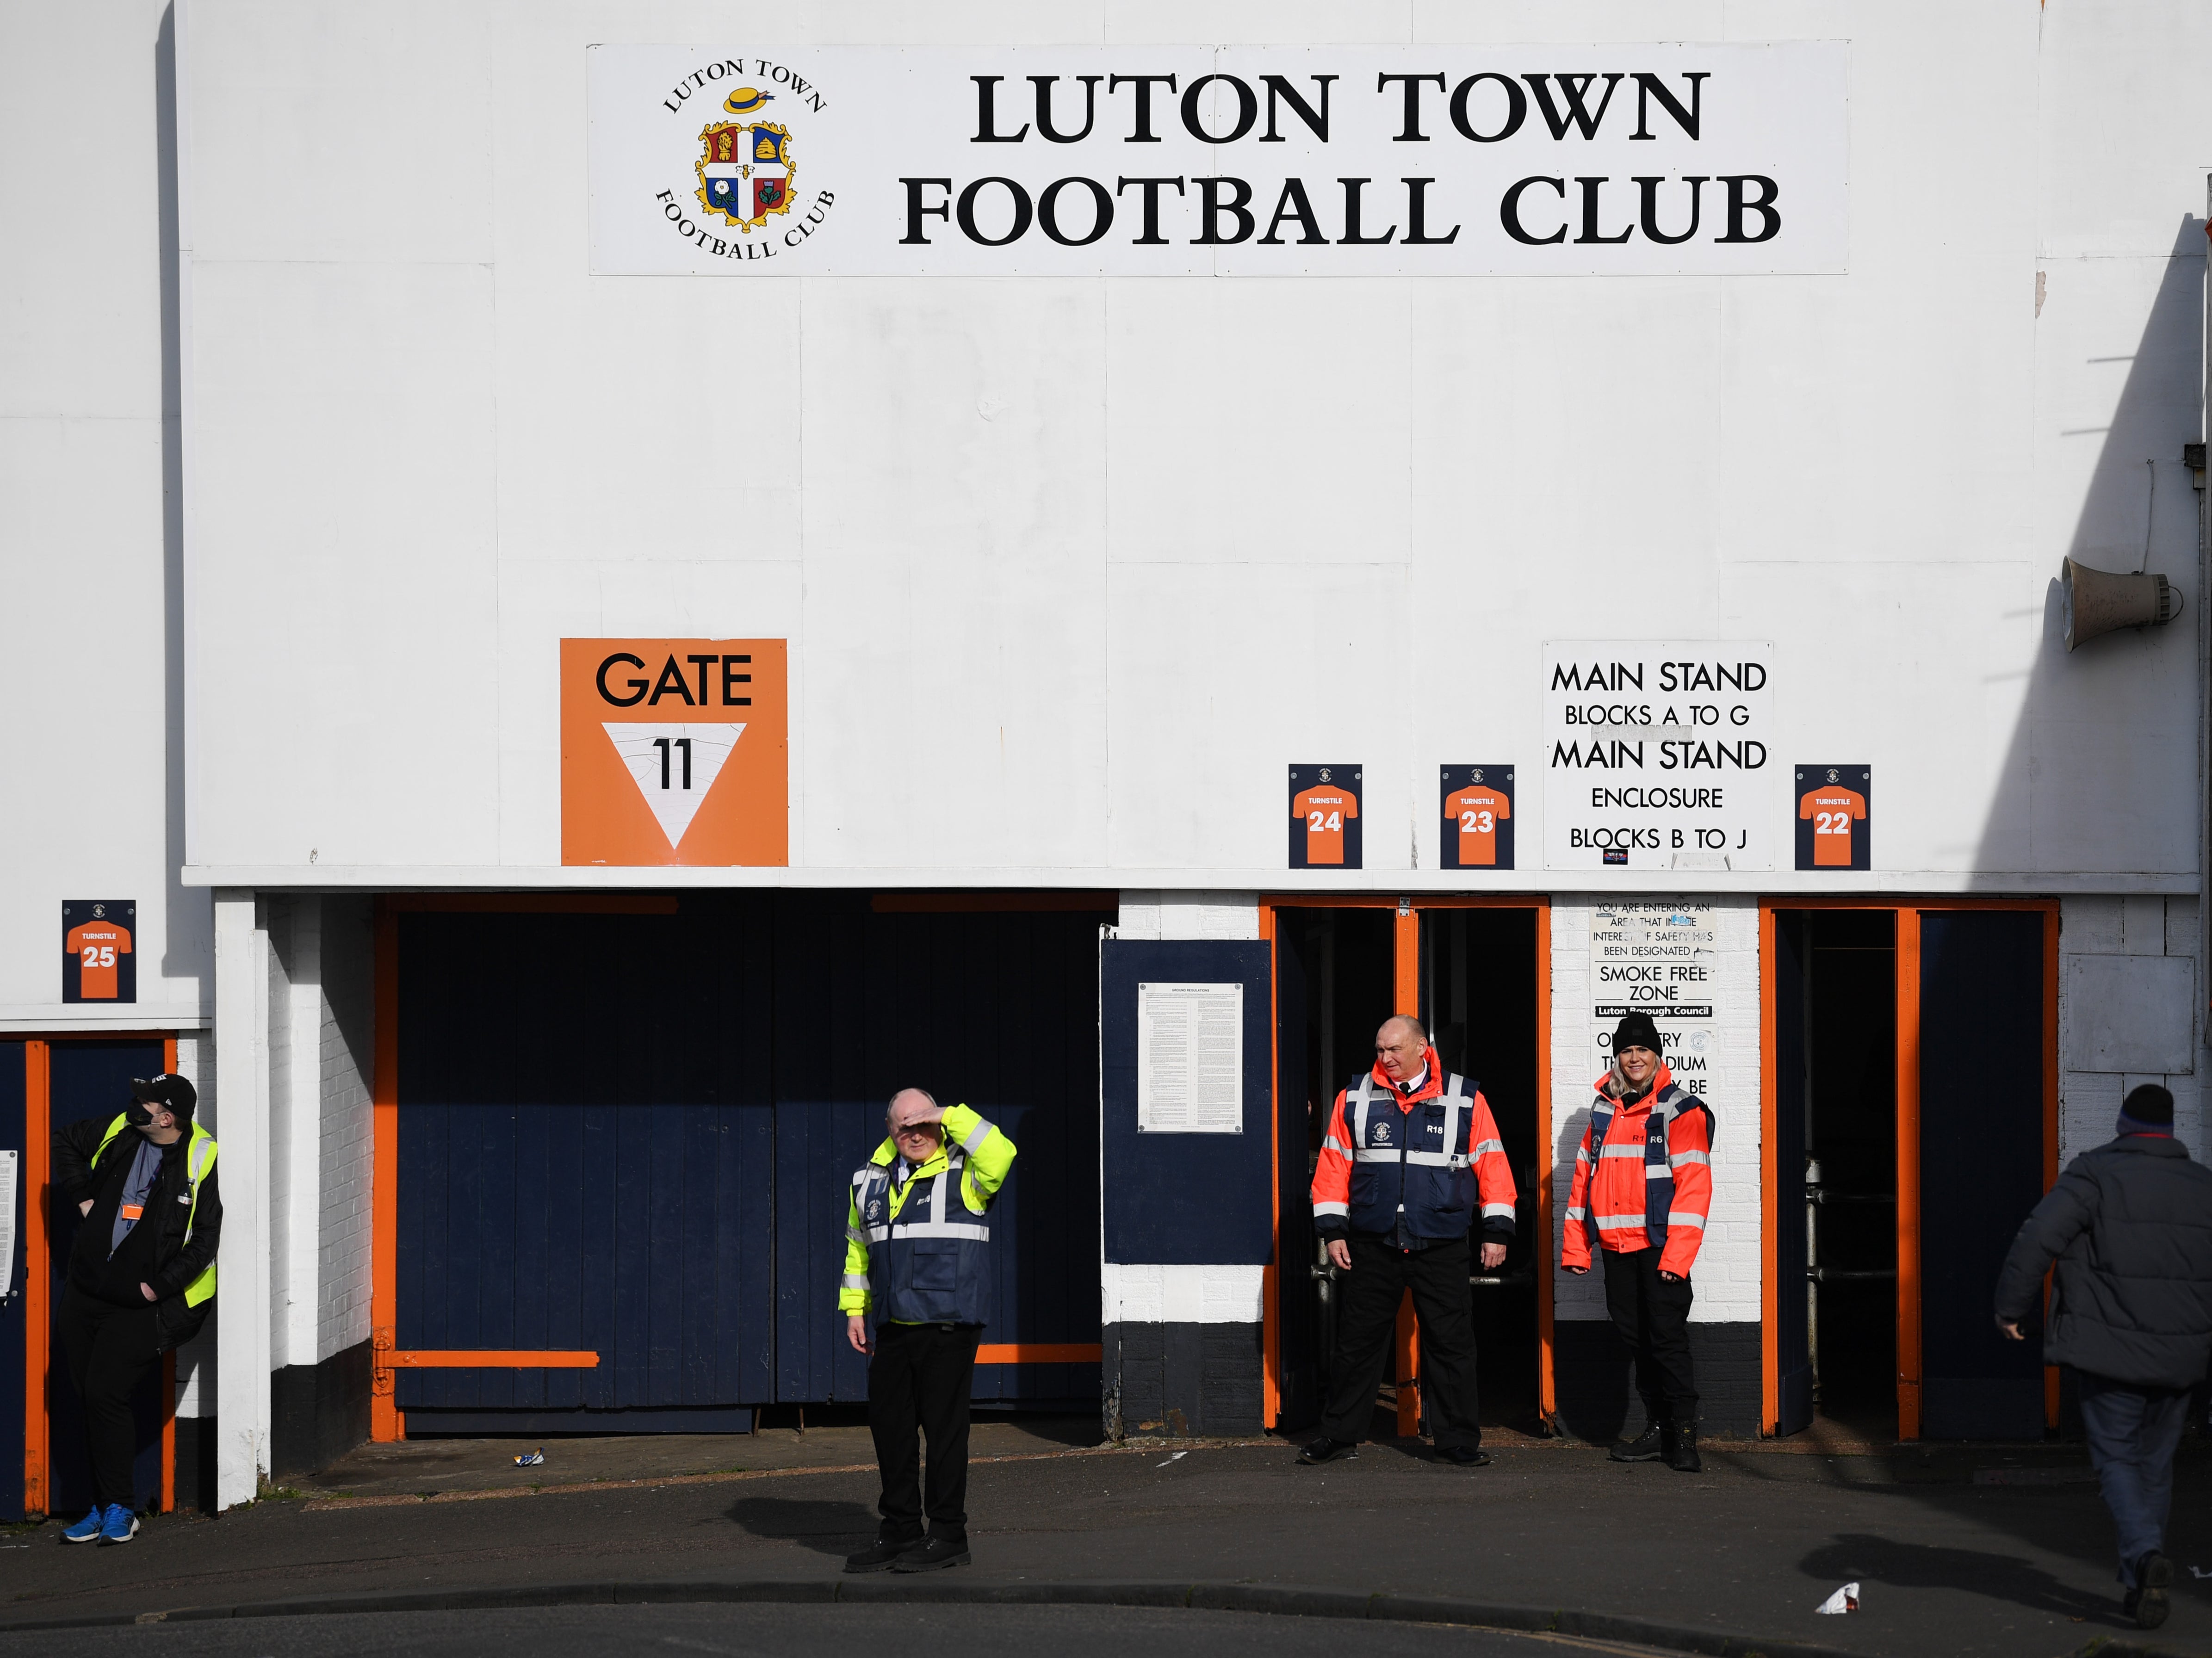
(2089, 1099)
(1231, 915)
(1727, 1274)
(347, 1146)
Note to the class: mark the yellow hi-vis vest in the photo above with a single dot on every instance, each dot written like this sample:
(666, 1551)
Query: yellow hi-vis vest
(200, 1149)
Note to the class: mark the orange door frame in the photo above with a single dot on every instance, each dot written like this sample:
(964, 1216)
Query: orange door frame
(1908, 913)
(1405, 995)
(38, 1269)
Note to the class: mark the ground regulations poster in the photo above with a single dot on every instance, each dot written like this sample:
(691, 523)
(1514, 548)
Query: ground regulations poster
(1659, 959)
(1659, 757)
(742, 159)
(1190, 1058)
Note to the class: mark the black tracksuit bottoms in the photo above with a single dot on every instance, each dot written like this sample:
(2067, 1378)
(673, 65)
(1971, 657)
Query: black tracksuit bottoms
(1653, 1317)
(110, 1350)
(920, 1378)
(1367, 1314)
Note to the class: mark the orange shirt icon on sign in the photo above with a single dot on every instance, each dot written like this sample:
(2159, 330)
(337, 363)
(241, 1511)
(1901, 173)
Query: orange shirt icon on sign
(1326, 810)
(1479, 812)
(1832, 810)
(97, 945)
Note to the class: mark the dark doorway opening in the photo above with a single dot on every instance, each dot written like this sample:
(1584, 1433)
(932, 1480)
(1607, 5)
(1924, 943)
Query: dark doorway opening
(1477, 994)
(1837, 1143)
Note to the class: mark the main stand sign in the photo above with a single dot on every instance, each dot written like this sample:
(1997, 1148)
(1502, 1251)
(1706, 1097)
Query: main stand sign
(1658, 758)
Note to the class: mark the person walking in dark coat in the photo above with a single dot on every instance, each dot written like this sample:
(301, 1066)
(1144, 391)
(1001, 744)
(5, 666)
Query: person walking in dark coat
(2130, 1226)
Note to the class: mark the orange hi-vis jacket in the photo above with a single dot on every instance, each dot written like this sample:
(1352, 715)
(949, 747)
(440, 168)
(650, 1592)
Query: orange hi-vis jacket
(1413, 1166)
(1643, 1193)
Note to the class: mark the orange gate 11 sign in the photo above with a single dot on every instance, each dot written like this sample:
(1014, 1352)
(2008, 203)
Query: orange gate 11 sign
(674, 751)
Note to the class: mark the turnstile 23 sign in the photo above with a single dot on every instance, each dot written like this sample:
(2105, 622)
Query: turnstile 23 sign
(674, 751)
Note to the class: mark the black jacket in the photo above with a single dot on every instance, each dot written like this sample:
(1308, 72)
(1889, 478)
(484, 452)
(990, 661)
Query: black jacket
(2129, 1225)
(176, 1263)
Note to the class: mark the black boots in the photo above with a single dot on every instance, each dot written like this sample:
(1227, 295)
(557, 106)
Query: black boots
(1662, 1441)
(1647, 1446)
(2148, 1603)
(882, 1554)
(1682, 1452)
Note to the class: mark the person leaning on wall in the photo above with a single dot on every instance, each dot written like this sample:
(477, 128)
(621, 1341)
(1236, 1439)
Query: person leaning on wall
(141, 1272)
(2129, 1225)
(1643, 1186)
(917, 1256)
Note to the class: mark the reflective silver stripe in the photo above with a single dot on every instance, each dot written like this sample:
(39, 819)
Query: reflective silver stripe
(1575, 1211)
(977, 1135)
(1677, 1159)
(1506, 1210)
(1452, 1108)
(1359, 1117)
(879, 1234)
(1487, 1147)
(855, 1280)
(1657, 1172)
(937, 1229)
(1330, 1142)
(1375, 1154)
(1636, 1152)
(1685, 1217)
(1435, 1159)
(856, 1234)
(1618, 1222)
(1342, 1209)
(1581, 1157)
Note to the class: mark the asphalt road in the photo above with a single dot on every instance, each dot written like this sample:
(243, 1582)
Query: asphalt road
(1949, 1566)
(774, 1631)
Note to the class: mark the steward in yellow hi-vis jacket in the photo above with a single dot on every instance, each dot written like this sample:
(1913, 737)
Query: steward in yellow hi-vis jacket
(917, 1255)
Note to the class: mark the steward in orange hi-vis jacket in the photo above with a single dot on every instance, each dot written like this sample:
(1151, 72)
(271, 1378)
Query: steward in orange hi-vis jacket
(1642, 1188)
(1410, 1157)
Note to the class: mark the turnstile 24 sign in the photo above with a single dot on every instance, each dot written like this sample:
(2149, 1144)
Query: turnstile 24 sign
(674, 751)
(1658, 757)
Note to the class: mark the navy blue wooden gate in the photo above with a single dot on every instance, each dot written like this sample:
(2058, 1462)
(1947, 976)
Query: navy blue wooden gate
(633, 1133)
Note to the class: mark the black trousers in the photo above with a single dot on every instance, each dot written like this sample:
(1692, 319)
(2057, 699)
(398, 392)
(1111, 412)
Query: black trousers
(1367, 1314)
(1653, 1317)
(920, 1378)
(110, 1350)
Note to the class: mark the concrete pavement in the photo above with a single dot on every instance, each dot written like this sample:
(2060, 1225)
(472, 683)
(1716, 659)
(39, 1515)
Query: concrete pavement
(1996, 1551)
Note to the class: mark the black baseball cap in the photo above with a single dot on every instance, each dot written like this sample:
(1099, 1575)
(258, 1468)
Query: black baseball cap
(168, 1089)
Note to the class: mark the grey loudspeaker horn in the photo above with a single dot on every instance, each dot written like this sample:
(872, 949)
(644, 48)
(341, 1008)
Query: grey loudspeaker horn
(2098, 601)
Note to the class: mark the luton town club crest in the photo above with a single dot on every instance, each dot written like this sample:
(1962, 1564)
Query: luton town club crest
(744, 166)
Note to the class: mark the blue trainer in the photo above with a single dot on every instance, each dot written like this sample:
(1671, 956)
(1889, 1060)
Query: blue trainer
(121, 1525)
(87, 1530)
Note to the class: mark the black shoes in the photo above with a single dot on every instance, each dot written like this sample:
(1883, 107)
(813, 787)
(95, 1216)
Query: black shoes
(1647, 1446)
(1463, 1456)
(2147, 1604)
(933, 1555)
(1326, 1449)
(883, 1554)
(1682, 1455)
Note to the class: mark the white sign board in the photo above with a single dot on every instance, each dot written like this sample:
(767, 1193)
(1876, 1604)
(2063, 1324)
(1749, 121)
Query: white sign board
(1140, 161)
(1190, 1058)
(1659, 959)
(9, 1162)
(1658, 757)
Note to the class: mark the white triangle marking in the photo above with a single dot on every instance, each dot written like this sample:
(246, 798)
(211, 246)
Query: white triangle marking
(673, 767)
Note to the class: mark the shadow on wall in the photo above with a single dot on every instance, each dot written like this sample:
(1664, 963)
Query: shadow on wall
(2106, 726)
(189, 913)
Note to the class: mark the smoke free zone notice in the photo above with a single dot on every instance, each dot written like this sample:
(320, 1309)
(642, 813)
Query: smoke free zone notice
(1659, 959)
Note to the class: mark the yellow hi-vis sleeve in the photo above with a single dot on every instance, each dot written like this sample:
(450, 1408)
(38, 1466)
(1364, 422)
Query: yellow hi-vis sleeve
(990, 1156)
(853, 1288)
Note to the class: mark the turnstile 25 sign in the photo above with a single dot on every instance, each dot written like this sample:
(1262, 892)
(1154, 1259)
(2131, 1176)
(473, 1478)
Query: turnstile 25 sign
(674, 751)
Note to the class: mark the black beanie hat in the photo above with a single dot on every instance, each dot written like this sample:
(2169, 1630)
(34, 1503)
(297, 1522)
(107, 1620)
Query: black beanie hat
(1637, 1030)
(2147, 1110)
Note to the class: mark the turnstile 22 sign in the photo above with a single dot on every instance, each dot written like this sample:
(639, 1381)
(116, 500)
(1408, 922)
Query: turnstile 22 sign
(674, 751)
